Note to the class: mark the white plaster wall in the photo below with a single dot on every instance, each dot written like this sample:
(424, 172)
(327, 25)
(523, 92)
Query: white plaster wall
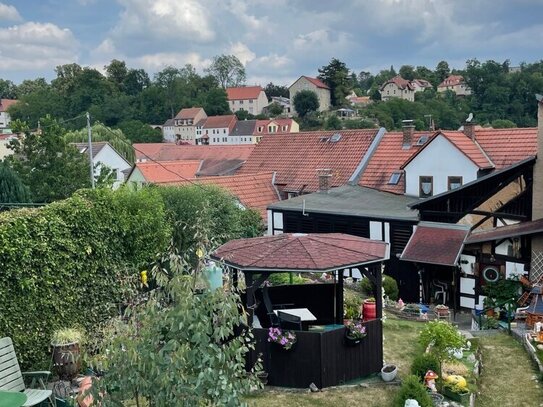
(5, 119)
(111, 159)
(440, 159)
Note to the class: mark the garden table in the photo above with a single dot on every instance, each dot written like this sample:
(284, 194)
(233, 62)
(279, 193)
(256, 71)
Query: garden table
(12, 398)
(303, 313)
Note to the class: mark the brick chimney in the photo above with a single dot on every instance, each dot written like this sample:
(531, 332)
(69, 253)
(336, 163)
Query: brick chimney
(408, 130)
(324, 175)
(537, 196)
(469, 129)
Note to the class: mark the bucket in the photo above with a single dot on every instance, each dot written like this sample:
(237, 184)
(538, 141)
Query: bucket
(369, 310)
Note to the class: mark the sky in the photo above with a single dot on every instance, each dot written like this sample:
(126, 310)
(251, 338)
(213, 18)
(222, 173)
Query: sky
(276, 40)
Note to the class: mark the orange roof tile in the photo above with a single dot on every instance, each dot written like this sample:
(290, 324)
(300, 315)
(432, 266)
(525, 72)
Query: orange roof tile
(243, 92)
(317, 82)
(389, 157)
(168, 171)
(280, 123)
(188, 113)
(296, 157)
(399, 82)
(507, 146)
(254, 191)
(5, 103)
(466, 145)
(226, 121)
(149, 150)
(451, 80)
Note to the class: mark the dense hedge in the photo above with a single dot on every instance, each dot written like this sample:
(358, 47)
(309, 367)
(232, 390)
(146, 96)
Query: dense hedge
(62, 265)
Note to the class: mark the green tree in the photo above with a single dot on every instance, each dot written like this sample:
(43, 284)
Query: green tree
(138, 132)
(29, 86)
(276, 90)
(215, 102)
(243, 114)
(337, 76)
(167, 80)
(503, 124)
(227, 70)
(8, 90)
(51, 168)
(275, 109)
(442, 71)
(333, 123)
(40, 103)
(136, 81)
(117, 72)
(12, 190)
(407, 72)
(306, 101)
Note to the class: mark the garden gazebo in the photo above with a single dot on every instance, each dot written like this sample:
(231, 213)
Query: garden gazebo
(321, 356)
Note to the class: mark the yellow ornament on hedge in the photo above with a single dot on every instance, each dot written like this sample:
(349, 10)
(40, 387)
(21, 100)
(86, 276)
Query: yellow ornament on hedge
(457, 380)
(143, 275)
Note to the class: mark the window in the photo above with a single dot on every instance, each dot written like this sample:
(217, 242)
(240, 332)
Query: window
(426, 186)
(395, 178)
(224, 130)
(454, 182)
(250, 100)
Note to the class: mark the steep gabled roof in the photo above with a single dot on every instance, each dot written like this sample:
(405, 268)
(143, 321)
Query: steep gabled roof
(255, 191)
(507, 146)
(244, 128)
(5, 103)
(451, 80)
(317, 82)
(464, 144)
(214, 122)
(296, 157)
(399, 82)
(189, 113)
(243, 92)
(97, 146)
(388, 158)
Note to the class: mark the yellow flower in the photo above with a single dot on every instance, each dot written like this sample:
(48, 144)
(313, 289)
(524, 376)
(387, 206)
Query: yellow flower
(143, 275)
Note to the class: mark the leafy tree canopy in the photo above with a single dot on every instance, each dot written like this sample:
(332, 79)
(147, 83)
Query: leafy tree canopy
(227, 70)
(337, 76)
(306, 101)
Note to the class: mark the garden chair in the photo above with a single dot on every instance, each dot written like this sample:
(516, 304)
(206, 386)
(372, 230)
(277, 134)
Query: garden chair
(11, 378)
(274, 321)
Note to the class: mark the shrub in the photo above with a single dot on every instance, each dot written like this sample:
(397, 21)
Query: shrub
(284, 278)
(442, 336)
(422, 363)
(389, 284)
(64, 264)
(412, 388)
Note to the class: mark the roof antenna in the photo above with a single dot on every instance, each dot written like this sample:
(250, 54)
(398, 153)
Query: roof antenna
(303, 209)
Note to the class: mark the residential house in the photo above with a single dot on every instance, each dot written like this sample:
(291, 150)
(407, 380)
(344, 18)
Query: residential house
(164, 171)
(183, 129)
(253, 191)
(215, 160)
(216, 129)
(281, 101)
(297, 158)
(399, 87)
(252, 99)
(313, 84)
(274, 126)
(455, 83)
(105, 157)
(243, 132)
(5, 118)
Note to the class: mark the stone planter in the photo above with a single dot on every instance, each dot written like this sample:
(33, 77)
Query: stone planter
(389, 372)
(454, 396)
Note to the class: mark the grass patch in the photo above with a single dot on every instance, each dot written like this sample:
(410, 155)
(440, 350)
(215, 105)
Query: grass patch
(508, 374)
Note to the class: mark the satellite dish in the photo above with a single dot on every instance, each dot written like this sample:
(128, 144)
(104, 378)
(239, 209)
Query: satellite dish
(470, 118)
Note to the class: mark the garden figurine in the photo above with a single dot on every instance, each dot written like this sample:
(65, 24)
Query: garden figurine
(430, 380)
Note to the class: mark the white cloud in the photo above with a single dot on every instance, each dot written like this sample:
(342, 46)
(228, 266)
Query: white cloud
(242, 52)
(163, 20)
(158, 61)
(36, 46)
(9, 13)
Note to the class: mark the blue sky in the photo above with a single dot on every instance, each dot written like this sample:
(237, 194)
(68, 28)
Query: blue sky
(277, 40)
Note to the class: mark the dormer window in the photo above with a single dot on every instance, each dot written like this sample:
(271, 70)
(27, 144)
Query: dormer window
(395, 178)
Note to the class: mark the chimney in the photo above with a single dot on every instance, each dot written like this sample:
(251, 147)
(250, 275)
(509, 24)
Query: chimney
(408, 129)
(324, 175)
(537, 197)
(469, 129)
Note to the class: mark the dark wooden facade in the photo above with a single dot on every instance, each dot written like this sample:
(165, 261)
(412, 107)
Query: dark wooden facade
(322, 358)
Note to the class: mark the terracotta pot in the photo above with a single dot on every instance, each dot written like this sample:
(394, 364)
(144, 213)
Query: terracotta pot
(369, 310)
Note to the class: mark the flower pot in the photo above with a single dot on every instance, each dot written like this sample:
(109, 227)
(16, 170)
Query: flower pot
(389, 372)
(263, 377)
(454, 396)
(369, 310)
(350, 341)
(67, 360)
(280, 347)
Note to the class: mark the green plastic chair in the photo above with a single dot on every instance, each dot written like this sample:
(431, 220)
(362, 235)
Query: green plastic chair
(11, 377)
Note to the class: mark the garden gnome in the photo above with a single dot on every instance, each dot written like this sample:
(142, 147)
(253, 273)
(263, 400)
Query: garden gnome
(430, 380)
(400, 304)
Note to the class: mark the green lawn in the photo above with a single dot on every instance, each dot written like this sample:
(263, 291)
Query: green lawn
(507, 378)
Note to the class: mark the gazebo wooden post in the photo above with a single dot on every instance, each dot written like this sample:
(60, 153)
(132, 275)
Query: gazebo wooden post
(378, 289)
(250, 293)
(235, 282)
(339, 297)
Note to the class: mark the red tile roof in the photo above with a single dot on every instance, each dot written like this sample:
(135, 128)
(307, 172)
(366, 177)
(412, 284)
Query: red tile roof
(243, 93)
(254, 191)
(301, 252)
(188, 113)
(389, 157)
(436, 243)
(466, 145)
(451, 80)
(507, 146)
(296, 157)
(317, 82)
(280, 123)
(5, 103)
(150, 150)
(168, 171)
(226, 121)
(399, 82)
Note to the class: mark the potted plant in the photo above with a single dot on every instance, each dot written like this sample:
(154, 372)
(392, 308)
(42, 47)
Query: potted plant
(354, 333)
(389, 372)
(456, 393)
(284, 339)
(368, 309)
(66, 345)
(442, 310)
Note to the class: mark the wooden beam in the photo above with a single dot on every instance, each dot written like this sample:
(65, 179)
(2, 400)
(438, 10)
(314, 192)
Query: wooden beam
(339, 297)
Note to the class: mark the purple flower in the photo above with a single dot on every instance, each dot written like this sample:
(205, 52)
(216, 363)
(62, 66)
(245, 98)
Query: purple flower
(283, 341)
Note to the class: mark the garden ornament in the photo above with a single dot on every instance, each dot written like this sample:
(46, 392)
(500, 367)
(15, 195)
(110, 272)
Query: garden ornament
(411, 403)
(430, 380)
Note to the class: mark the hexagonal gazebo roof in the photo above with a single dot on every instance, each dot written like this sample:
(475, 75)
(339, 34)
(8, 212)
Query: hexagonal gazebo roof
(300, 252)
